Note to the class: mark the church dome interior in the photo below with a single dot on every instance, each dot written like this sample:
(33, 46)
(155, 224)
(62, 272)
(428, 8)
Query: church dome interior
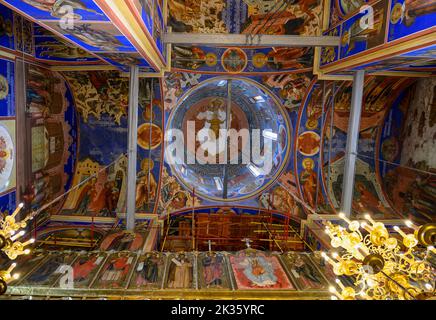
(217, 150)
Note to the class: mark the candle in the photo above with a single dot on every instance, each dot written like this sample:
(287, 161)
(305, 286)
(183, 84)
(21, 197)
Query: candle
(17, 209)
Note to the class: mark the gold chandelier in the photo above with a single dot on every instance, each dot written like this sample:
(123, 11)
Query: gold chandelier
(9, 244)
(382, 267)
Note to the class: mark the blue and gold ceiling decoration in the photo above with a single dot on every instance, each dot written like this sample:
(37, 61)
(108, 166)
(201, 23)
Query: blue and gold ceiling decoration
(80, 32)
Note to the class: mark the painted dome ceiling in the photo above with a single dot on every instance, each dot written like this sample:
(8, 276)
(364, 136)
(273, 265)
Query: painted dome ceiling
(255, 112)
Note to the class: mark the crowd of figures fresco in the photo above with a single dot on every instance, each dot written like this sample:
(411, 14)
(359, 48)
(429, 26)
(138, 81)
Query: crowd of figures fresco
(136, 271)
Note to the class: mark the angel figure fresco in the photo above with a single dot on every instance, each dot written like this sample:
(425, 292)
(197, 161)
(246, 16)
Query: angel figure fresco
(180, 272)
(56, 7)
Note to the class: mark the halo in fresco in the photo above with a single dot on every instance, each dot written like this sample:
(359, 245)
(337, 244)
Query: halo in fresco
(6, 157)
(4, 87)
(348, 6)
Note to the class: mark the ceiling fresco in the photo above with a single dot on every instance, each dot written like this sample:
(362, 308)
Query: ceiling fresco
(241, 60)
(204, 106)
(84, 25)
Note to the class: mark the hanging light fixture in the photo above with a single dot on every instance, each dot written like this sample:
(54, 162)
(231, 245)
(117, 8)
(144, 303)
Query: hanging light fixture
(9, 244)
(382, 266)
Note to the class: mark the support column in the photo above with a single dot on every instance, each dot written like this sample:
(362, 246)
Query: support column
(352, 142)
(132, 145)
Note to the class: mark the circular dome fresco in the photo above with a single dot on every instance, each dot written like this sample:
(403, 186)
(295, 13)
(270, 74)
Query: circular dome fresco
(254, 161)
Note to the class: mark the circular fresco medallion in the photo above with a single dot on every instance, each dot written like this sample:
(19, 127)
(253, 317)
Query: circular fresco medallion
(259, 60)
(6, 157)
(4, 87)
(211, 59)
(234, 60)
(308, 143)
(149, 136)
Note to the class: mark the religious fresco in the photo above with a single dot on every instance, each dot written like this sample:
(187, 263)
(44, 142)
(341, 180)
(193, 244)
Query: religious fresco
(52, 10)
(23, 35)
(116, 270)
(304, 272)
(54, 132)
(48, 272)
(6, 28)
(212, 271)
(180, 274)
(330, 54)
(148, 272)
(7, 155)
(149, 151)
(26, 264)
(8, 172)
(408, 17)
(247, 16)
(355, 39)
(254, 269)
(97, 190)
(55, 235)
(204, 104)
(238, 60)
(54, 50)
(85, 268)
(406, 163)
(82, 24)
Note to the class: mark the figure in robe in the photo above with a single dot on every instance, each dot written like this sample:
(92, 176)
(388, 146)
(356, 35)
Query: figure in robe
(180, 274)
(212, 271)
(86, 195)
(287, 58)
(309, 182)
(149, 271)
